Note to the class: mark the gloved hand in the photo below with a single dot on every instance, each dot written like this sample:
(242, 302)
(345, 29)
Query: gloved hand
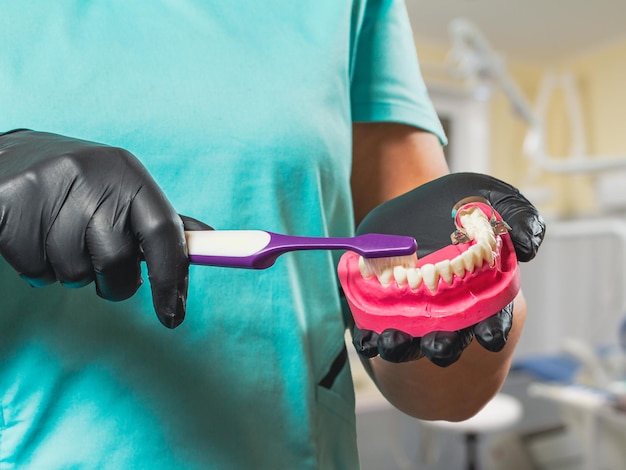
(424, 214)
(75, 212)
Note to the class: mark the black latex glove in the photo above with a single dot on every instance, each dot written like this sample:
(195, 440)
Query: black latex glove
(75, 212)
(425, 214)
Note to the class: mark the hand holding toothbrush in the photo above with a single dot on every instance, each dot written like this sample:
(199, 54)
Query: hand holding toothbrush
(74, 211)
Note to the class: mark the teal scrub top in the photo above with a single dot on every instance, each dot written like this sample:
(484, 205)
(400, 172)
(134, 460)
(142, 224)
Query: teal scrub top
(242, 112)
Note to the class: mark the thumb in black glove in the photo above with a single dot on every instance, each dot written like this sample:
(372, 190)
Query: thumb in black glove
(75, 212)
(425, 214)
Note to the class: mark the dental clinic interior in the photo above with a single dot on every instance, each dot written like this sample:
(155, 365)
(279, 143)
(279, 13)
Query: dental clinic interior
(533, 93)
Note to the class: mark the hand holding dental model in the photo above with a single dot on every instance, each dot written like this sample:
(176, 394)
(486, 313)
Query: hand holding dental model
(469, 228)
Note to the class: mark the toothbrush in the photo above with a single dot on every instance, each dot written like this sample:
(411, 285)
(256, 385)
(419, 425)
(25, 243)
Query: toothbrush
(259, 249)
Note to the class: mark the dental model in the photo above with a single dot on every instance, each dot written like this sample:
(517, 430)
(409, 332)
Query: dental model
(448, 290)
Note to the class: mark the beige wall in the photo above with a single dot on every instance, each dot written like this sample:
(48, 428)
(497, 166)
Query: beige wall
(601, 78)
(602, 75)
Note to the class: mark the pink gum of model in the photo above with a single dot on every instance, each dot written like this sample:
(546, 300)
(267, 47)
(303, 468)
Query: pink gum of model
(463, 303)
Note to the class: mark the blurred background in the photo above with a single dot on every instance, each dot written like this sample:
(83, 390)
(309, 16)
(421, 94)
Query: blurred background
(534, 93)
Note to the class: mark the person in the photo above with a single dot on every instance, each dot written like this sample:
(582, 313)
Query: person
(292, 117)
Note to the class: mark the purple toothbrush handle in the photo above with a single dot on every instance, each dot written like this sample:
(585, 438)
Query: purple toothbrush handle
(367, 245)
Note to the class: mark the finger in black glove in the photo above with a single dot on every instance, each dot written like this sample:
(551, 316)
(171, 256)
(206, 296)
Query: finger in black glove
(444, 348)
(493, 332)
(392, 345)
(75, 211)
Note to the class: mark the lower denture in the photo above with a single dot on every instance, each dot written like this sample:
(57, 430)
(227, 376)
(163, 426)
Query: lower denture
(455, 302)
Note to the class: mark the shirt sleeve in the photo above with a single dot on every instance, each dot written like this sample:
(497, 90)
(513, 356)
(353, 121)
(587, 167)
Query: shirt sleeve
(386, 82)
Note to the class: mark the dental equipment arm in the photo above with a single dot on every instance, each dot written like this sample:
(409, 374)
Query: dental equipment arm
(473, 59)
(389, 160)
(73, 211)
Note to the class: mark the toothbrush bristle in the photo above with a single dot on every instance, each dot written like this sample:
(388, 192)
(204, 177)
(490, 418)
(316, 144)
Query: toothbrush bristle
(379, 266)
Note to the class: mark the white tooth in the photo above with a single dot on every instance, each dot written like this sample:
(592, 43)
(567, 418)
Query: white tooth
(399, 273)
(487, 253)
(445, 270)
(476, 224)
(414, 277)
(466, 220)
(491, 240)
(366, 272)
(477, 253)
(458, 266)
(479, 229)
(386, 276)
(468, 260)
(431, 276)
